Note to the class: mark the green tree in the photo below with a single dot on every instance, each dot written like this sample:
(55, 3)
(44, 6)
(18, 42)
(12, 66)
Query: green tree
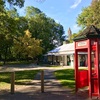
(72, 37)
(19, 3)
(31, 11)
(12, 13)
(7, 27)
(7, 30)
(13, 39)
(90, 15)
(21, 25)
(26, 47)
(44, 28)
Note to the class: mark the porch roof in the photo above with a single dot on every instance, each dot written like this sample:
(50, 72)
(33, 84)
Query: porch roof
(64, 49)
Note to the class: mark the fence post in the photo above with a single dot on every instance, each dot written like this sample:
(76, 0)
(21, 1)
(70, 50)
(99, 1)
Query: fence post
(42, 81)
(12, 82)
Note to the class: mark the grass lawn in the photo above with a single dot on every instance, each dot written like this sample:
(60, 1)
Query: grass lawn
(15, 62)
(66, 77)
(21, 77)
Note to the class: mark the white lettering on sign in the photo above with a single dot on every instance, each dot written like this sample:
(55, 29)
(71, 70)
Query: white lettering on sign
(82, 43)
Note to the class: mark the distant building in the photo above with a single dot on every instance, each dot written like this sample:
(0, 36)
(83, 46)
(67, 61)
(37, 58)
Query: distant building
(69, 34)
(64, 56)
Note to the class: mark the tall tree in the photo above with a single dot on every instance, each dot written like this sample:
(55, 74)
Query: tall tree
(7, 30)
(32, 11)
(26, 46)
(90, 15)
(19, 3)
(13, 39)
(44, 28)
(7, 27)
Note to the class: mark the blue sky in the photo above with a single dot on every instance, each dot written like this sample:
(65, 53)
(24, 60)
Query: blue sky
(64, 12)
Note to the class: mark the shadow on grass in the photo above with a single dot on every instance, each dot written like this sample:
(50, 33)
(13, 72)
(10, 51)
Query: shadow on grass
(5, 77)
(66, 77)
(21, 77)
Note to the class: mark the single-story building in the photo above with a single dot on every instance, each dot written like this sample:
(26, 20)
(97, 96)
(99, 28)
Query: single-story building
(64, 55)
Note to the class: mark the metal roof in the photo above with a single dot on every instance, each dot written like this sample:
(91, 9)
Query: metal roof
(64, 49)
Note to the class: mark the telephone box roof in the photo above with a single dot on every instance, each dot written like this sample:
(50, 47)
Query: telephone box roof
(89, 32)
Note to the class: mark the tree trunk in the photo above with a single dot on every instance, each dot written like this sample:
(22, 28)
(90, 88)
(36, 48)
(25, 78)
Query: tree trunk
(5, 55)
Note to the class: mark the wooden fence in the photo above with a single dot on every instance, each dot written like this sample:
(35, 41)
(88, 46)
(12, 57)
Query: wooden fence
(12, 82)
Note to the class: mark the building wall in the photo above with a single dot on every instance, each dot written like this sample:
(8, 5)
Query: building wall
(68, 60)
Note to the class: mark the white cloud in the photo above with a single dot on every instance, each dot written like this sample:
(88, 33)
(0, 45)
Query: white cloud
(75, 28)
(76, 3)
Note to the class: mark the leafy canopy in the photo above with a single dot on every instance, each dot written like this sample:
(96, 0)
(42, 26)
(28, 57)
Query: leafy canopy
(90, 15)
(27, 46)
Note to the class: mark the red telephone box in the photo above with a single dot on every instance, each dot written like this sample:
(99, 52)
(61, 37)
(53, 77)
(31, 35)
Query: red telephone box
(88, 41)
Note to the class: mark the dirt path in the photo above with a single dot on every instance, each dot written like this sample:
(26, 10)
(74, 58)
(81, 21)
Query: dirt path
(52, 90)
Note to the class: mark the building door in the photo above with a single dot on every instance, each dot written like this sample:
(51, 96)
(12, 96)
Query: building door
(68, 60)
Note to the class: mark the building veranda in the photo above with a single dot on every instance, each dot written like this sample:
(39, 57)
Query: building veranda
(64, 55)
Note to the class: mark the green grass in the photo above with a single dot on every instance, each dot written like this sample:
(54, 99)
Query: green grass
(21, 77)
(66, 77)
(25, 76)
(16, 62)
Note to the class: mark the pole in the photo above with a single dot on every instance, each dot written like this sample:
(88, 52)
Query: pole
(12, 82)
(42, 81)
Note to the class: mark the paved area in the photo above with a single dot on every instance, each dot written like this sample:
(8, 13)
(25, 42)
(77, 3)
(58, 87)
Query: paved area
(53, 90)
